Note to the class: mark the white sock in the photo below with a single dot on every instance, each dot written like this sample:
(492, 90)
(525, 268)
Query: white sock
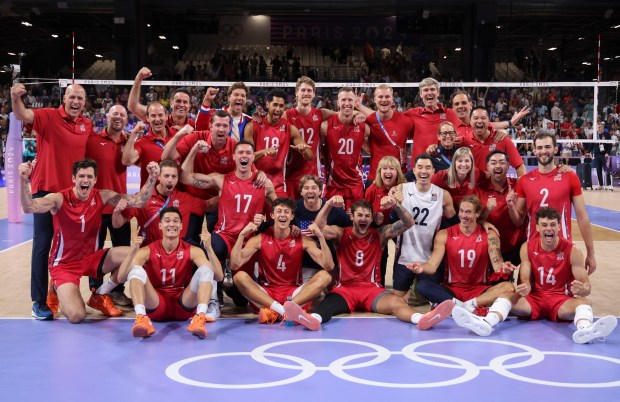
(318, 317)
(470, 305)
(106, 287)
(277, 307)
(201, 308)
(415, 318)
(457, 302)
(492, 319)
(140, 309)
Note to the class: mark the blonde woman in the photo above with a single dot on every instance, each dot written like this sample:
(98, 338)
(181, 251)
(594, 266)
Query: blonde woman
(461, 178)
(388, 176)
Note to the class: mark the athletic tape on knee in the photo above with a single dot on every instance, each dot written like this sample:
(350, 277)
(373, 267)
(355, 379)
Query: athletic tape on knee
(501, 306)
(583, 312)
(137, 272)
(202, 275)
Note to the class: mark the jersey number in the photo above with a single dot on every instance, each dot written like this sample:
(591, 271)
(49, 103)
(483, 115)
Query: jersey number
(83, 223)
(247, 198)
(471, 256)
(310, 139)
(417, 211)
(172, 276)
(359, 258)
(545, 193)
(346, 146)
(550, 277)
(275, 142)
(281, 264)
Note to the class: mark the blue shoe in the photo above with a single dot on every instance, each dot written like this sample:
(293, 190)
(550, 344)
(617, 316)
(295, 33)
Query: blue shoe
(40, 311)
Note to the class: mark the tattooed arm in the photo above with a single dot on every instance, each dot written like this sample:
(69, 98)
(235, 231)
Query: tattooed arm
(495, 254)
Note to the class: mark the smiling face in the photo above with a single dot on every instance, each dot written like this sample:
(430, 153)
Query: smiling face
(480, 122)
(171, 225)
(117, 118)
(548, 229)
(389, 175)
(282, 216)
(383, 99)
(156, 116)
(462, 107)
(429, 94)
(180, 105)
(244, 157)
(463, 165)
(423, 171)
(467, 214)
(304, 94)
(346, 103)
(311, 193)
(276, 108)
(74, 101)
(168, 179)
(497, 166)
(446, 135)
(236, 101)
(544, 151)
(84, 181)
(220, 127)
(362, 218)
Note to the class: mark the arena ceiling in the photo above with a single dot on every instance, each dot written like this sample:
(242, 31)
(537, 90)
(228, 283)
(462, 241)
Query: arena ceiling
(520, 24)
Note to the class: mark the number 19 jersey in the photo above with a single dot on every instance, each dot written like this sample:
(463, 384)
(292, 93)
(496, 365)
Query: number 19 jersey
(467, 257)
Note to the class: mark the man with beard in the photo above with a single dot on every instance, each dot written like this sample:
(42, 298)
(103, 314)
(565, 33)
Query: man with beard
(148, 148)
(180, 99)
(482, 142)
(492, 193)
(272, 138)
(547, 187)
(237, 97)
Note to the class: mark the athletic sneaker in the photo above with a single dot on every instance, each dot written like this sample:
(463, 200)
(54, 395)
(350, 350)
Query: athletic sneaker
(104, 304)
(267, 316)
(292, 311)
(142, 327)
(438, 314)
(120, 299)
(471, 322)
(52, 299)
(213, 311)
(41, 312)
(600, 329)
(197, 326)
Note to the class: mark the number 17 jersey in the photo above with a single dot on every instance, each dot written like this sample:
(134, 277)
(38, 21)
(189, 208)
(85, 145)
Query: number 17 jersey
(239, 202)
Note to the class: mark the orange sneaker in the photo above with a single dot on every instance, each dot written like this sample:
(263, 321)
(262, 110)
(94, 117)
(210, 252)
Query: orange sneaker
(104, 304)
(52, 299)
(438, 314)
(267, 316)
(295, 313)
(142, 327)
(197, 326)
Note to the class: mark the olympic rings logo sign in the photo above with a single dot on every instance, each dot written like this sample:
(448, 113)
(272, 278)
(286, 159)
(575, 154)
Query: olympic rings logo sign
(341, 367)
(231, 31)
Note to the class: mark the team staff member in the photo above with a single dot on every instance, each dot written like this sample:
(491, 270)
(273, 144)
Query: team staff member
(61, 139)
(237, 97)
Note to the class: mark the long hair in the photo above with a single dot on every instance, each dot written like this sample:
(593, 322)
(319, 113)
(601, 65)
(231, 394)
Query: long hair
(462, 152)
(389, 161)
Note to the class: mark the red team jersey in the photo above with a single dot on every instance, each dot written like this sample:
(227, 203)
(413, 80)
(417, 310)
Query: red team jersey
(76, 227)
(480, 150)
(440, 179)
(551, 270)
(374, 195)
(279, 261)
(359, 258)
(169, 273)
(149, 149)
(398, 128)
(210, 162)
(269, 136)
(239, 202)
(344, 146)
(555, 190)
(111, 173)
(426, 126)
(173, 127)
(60, 142)
(310, 129)
(466, 257)
(186, 203)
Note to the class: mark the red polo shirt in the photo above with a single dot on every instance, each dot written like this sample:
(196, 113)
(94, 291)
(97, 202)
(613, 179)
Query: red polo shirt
(150, 149)
(426, 124)
(112, 174)
(480, 150)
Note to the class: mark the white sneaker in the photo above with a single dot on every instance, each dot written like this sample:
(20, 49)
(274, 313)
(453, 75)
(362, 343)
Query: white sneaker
(600, 329)
(213, 311)
(471, 322)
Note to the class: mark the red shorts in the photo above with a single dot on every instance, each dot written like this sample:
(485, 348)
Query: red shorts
(360, 297)
(545, 305)
(466, 292)
(170, 307)
(350, 194)
(72, 272)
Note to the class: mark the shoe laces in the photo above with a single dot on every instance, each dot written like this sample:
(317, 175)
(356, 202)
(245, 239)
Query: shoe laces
(272, 316)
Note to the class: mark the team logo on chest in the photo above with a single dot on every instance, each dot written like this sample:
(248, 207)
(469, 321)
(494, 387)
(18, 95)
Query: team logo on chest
(479, 239)
(179, 255)
(93, 202)
(224, 161)
(557, 177)
(175, 203)
(394, 133)
(434, 197)
(492, 147)
(315, 118)
(283, 128)
(443, 116)
(291, 244)
(356, 129)
(560, 256)
(82, 127)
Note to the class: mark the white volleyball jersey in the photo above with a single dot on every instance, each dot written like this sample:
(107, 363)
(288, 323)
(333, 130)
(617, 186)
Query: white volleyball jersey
(416, 244)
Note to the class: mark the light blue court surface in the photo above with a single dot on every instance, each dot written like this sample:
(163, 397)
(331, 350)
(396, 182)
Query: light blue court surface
(361, 359)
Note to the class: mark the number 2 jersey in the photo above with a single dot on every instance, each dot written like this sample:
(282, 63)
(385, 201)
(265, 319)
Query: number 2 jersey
(76, 227)
(551, 270)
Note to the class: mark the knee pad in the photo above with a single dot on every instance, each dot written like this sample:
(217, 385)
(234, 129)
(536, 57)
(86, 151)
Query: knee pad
(203, 274)
(137, 272)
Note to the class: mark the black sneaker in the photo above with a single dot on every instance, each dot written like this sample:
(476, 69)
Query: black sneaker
(40, 311)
